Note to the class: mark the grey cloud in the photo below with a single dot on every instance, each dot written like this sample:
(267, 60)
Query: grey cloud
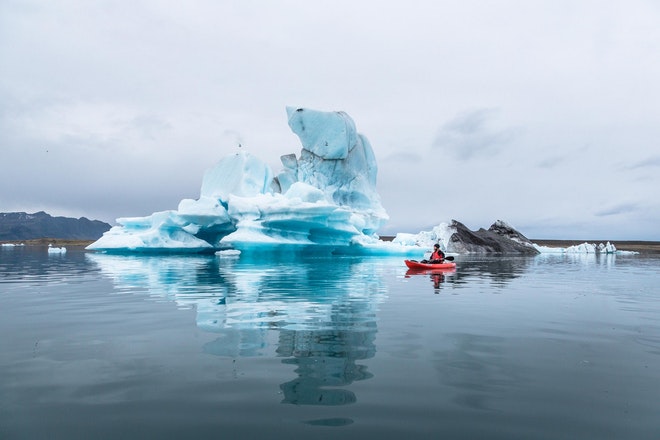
(472, 133)
(148, 126)
(622, 208)
(124, 106)
(551, 162)
(646, 163)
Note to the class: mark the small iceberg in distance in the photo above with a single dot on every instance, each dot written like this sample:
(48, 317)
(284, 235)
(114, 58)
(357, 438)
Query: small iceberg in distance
(56, 250)
(585, 248)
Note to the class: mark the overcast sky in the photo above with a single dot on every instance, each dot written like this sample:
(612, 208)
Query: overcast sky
(544, 114)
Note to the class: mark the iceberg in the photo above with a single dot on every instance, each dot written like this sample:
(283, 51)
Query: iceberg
(324, 198)
(56, 250)
(440, 234)
(585, 248)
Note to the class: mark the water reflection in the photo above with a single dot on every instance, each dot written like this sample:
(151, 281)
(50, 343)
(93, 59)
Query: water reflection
(322, 311)
(325, 361)
(499, 270)
(437, 276)
(582, 259)
(476, 368)
(30, 265)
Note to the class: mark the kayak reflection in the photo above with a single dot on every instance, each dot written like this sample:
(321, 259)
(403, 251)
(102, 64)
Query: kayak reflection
(437, 276)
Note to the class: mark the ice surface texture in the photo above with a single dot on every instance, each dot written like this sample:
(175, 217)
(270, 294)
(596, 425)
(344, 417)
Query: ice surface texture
(326, 197)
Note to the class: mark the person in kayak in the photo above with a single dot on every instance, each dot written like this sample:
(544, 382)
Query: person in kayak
(436, 257)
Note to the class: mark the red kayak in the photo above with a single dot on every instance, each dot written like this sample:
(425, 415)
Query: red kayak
(413, 264)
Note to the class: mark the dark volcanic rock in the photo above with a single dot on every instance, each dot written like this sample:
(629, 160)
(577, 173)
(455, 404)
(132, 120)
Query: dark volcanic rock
(500, 238)
(22, 226)
(505, 230)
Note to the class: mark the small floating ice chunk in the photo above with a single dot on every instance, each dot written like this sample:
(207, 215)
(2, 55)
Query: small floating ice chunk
(56, 250)
(608, 248)
(229, 253)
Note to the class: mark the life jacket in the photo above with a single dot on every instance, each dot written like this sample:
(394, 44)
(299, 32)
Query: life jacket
(438, 255)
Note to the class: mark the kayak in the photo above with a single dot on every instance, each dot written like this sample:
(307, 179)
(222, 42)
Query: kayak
(413, 264)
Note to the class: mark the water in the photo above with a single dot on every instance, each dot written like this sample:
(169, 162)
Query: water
(551, 347)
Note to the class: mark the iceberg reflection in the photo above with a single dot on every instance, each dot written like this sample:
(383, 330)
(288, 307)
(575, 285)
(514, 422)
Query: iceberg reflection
(325, 361)
(319, 314)
(585, 259)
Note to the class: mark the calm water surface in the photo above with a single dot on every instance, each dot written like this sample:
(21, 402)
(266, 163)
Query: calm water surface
(551, 347)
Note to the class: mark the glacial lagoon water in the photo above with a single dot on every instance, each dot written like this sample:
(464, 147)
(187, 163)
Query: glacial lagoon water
(135, 347)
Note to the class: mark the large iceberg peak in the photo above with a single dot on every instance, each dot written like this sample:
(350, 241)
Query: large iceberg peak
(326, 134)
(334, 158)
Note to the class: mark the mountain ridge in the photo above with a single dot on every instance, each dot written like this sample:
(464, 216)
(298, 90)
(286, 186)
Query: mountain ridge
(26, 226)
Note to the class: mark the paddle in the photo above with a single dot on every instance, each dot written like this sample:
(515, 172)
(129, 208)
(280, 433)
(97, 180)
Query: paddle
(450, 258)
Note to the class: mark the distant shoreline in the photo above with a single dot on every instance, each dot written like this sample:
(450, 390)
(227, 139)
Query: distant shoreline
(643, 247)
(54, 241)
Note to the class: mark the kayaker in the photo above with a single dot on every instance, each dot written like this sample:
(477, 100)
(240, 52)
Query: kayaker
(437, 256)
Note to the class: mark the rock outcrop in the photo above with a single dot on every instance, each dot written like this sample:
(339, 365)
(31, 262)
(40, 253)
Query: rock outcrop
(500, 238)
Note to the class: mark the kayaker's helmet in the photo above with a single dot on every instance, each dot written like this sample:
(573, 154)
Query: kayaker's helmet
(436, 246)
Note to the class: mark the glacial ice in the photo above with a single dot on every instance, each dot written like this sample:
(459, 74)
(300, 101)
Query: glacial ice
(583, 248)
(326, 198)
(56, 250)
